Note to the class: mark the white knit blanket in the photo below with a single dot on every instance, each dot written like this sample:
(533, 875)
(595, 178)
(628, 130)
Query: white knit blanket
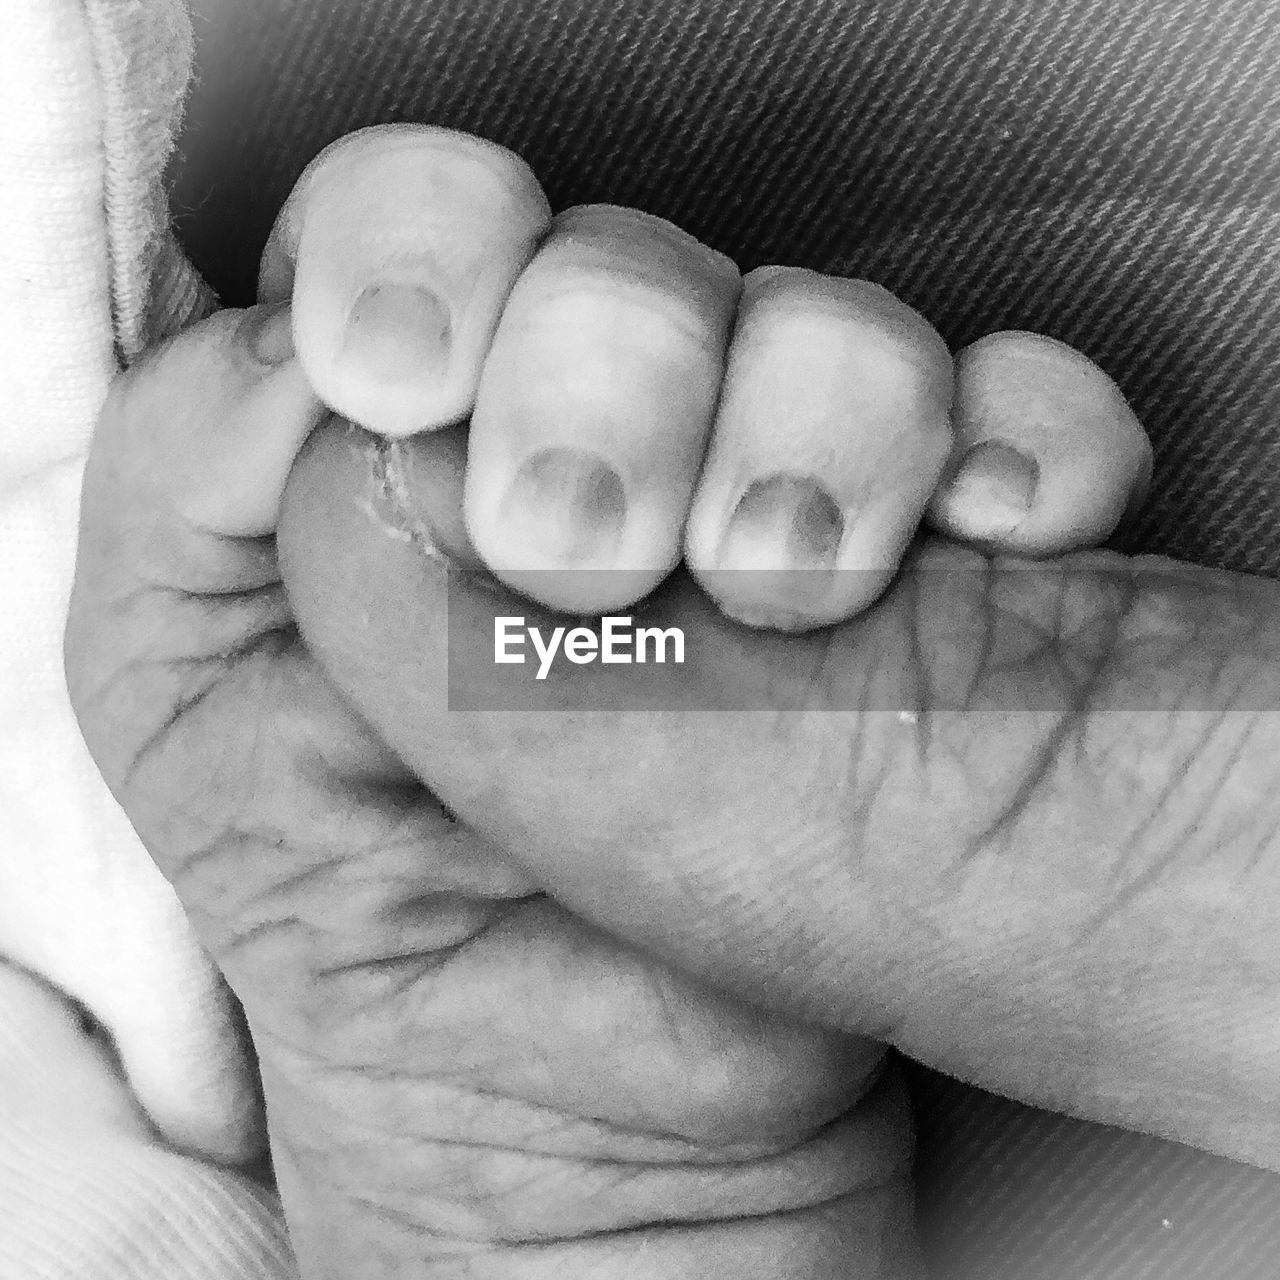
(117, 1141)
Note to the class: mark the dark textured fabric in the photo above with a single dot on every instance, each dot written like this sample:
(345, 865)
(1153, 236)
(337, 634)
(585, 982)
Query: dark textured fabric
(1011, 1193)
(1105, 171)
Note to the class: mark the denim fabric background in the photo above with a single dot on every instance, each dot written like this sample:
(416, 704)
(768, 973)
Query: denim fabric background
(1105, 171)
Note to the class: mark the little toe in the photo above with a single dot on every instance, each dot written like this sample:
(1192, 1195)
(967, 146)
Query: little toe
(1048, 456)
(594, 407)
(831, 435)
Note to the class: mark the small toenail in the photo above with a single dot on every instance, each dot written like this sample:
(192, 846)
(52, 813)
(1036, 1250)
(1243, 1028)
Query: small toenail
(783, 522)
(268, 333)
(569, 504)
(399, 332)
(997, 479)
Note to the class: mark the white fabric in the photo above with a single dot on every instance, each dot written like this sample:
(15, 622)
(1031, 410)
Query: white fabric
(90, 93)
(86, 1192)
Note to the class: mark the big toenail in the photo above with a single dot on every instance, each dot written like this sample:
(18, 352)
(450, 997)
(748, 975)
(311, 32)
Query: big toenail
(568, 504)
(997, 479)
(398, 332)
(783, 522)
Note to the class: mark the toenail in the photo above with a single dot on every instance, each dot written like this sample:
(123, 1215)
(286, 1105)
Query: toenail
(783, 522)
(569, 504)
(998, 479)
(399, 332)
(268, 333)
